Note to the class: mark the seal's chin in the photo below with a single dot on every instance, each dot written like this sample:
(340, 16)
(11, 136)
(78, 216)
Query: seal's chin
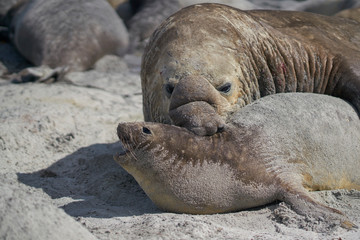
(122, 151)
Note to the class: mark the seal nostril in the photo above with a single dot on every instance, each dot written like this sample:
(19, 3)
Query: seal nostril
(146, 130)
(220, 129)
(169, 88)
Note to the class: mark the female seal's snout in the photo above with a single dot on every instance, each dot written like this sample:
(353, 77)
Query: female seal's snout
(134, 133)
(121, 132)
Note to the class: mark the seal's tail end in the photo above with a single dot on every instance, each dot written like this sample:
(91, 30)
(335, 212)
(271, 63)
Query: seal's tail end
(348, 225)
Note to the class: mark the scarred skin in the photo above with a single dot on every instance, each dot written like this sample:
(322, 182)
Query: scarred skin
(228, 58)
(276, 148)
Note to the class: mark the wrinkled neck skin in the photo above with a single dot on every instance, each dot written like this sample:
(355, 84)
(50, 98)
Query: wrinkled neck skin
(255, 58)
(280, 64)
(181, 171)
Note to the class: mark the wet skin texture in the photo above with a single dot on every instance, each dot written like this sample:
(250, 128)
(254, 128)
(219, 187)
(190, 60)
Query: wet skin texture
(227, 58)
(277, 148)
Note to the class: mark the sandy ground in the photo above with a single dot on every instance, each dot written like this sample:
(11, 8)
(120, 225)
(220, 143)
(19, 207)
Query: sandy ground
(58, 179)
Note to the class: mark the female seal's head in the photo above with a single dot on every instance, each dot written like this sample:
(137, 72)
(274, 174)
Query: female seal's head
(183, 172)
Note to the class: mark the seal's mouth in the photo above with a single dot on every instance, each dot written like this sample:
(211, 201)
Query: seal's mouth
(121, 155)
(124, 155)
(123, 152)
(126, 146)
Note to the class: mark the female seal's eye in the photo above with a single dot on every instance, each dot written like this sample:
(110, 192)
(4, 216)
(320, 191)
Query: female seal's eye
(225, 88)
(146, 130)
(169, 88)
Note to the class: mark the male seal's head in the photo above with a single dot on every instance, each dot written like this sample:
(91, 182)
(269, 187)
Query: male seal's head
(190, 62)
(215, 56)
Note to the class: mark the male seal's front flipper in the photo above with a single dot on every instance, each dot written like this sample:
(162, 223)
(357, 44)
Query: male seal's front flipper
(304, 204)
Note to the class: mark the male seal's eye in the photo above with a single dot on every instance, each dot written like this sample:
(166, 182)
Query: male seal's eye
(225, 88)
(146, 130)
(169, 88)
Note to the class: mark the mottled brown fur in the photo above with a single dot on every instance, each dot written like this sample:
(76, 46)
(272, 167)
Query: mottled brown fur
(276, 148)
(353, 13)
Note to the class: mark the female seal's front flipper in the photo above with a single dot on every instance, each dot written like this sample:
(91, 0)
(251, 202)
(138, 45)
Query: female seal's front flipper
(304, 204)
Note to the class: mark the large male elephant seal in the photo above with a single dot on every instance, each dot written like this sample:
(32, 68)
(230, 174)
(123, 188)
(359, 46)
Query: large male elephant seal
(353, 13)
(71, 33)
(276, 148)
(148, 16)
(224, 57)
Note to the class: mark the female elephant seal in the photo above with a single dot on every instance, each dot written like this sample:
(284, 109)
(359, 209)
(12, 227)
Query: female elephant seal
(71, 33)
(276, 148)
(227, 58)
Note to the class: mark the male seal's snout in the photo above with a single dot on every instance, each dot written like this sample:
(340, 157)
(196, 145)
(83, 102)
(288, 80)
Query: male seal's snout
(192, 89)
(193, 105)
(199, 117)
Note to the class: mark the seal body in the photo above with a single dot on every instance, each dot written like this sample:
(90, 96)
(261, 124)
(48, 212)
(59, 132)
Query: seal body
(72, 33)
(352, 13)
(148, 17)
(277, 148)
(5, 6)
(228, 58)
